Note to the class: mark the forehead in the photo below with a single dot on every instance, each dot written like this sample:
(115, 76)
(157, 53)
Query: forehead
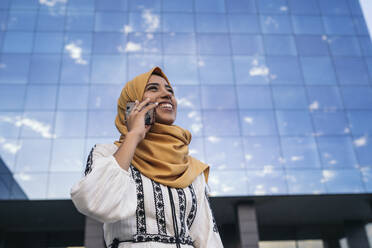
(157, 79)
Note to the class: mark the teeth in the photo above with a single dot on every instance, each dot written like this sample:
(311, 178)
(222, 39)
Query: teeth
(166, 105)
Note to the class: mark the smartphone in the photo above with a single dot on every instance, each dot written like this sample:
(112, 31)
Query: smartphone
(149, 117)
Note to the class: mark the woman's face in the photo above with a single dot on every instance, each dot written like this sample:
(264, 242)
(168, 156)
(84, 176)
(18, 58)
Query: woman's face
(158, 90)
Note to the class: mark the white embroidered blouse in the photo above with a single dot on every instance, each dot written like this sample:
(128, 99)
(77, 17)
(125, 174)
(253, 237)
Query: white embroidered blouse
(139, 212)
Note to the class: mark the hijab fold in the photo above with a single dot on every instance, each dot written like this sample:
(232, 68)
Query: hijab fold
(163, 155)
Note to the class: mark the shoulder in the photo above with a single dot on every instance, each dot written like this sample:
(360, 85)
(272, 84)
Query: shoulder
(104, 149)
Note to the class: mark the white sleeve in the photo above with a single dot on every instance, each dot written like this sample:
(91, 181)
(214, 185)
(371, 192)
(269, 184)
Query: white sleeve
(204, 229)
(107, 192)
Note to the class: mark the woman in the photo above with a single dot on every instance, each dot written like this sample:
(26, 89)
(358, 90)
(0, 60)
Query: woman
(145, 187)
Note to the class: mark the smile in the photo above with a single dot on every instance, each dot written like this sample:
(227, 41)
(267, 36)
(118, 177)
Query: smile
(165, 106)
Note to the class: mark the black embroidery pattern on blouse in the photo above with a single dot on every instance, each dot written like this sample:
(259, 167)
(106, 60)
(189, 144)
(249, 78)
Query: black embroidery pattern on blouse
(159, 208)
(194, 206)
(215, 229)
(140, 212)
(162, 238)
(182, 206)
(88, 167)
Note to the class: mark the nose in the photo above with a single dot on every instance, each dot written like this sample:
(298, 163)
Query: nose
(165, 93)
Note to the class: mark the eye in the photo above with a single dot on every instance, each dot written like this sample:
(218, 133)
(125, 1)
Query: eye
(153, 88)
(170, 90)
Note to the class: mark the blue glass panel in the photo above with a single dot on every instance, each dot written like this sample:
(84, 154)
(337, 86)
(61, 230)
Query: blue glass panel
(247, 6)
(362, 147)
(104, 97)
(178, 5)
(334, 7)
(181, 70)
(191, 120)
(342, 25)
(254, 97)
(18, 42)
(318, 71)
(275, 24)
(71, 124)
(108, 69)
(178, 22)
(300, 152)
(343, 181)
(247, 44)
(208, 73)
(304, 7)
(55, 7)
(72, 97)
(360, 25)
(77, 43)
(222, 123)
(242, 23)
(369, 65)
(305, 182)
(67, 155)
(307, 25)
(351, 70)
(78, 5)
(217, 6)
(3, 20)
(336, 152)
(75, 69)
(218, 97)
(8, 127)
(324, 98)
(179, 43)
(280, 45)
(360, 122)
(138, 63)
(344, 46)
(41, 97)
(143, 42)
(357, 97)
(311, 45)
(290, 97)
(147, 5)
(44, 68)
(60, 184)
(105, 42)
(14, 69)
(255, 66)
(196, 148)
(48, 42)
(24, 4)
(21, 20)
(366, 45)
(113, 5)
(225, 183)
(224, 153)
(211, 23)
(12, 97)
(273, 6)
(145, 21)
(355, 7)
(267, 181)
(5, 187)
(213, 44)
(284, 70)
(31, 186)
(79, 21)
(258, 122)
(262, 151)
(50, 21)
(110, 21)
(4, 4)
(34, 155)
(188, 97)
(38, 125)
(100, 124)
(367, 178)
(294, 122)
(331, 123)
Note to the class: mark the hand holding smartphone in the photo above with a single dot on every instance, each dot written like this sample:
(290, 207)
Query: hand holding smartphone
(149, 116)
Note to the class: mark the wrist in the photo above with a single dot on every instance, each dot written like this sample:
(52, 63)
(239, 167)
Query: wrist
(134, 136)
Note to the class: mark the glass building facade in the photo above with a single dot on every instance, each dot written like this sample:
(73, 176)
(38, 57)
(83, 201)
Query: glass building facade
(277, 93)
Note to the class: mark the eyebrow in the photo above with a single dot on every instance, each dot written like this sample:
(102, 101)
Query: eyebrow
(157, 84)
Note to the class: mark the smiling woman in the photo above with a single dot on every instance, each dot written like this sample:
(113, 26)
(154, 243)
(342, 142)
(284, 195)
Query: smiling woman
(145, 187)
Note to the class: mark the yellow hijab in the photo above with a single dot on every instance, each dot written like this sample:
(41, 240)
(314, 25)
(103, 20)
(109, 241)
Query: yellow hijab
(163, 154)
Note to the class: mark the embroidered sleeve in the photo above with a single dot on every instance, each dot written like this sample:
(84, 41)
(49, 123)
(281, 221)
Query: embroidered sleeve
(107, 192)
(203, 229)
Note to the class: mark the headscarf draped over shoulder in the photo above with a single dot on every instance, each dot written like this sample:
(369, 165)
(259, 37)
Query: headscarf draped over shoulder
(163, 155)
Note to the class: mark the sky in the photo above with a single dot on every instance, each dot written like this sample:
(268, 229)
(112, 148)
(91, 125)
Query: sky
(367, 12)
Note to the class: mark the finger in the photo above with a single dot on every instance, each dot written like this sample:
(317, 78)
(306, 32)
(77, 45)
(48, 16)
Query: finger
(150, 106)
(147, 127)
(143, 103)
